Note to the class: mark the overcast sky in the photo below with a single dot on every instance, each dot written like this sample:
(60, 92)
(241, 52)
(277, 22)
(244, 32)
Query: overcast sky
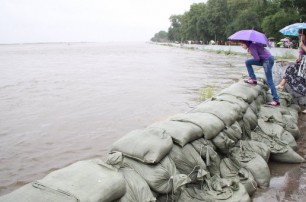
(24, 21)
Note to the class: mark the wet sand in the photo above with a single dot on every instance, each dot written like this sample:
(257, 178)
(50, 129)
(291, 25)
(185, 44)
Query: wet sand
(288, 181)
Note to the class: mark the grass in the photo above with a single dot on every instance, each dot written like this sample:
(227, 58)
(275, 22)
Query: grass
(205, 93)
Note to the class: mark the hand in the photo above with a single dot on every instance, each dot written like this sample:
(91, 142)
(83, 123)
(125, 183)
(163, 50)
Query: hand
(301, 45)
(298, 60)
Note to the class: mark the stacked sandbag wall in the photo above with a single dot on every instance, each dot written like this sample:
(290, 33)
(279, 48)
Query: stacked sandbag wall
(219, 151)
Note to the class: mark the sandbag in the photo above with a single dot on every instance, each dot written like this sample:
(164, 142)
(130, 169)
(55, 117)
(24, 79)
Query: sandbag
(261, 99)
(225, 111)
(181, 132)
(234, 132)
(228, 137)
(254, 163)
(255, 106)
(259, 147)
(271, 114)
(227, 190)
(210, 124)
(188, 194)
(35, 191)
(147, 145)
(88, 180)
(206, 149)
(279, 150)
(288, 157)
(239, 195)
(251, 118)
(230, 169)
(137, 189)
(274, 130)
(162, 177)
(223, 142)
(234, 100)
(285, 98)
(189, 162)
(291, 126)
(245, 128)
(246, 92)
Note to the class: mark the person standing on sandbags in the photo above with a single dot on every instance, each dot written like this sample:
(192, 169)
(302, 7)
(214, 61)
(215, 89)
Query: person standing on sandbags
(261, 57)
(254, 42)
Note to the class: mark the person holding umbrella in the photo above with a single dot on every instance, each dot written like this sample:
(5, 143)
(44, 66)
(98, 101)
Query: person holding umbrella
(253, 41)
(261, 57)
(296, 82)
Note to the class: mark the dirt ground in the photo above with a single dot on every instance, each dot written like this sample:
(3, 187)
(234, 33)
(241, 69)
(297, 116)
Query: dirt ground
(288, 181)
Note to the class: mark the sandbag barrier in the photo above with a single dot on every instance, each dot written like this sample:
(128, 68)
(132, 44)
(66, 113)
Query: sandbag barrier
(219, 151)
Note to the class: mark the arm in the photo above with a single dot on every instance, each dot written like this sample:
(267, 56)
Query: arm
(254, 52)
(302, 46)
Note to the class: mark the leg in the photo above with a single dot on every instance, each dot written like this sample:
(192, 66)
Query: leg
(248, 64)
(268, 64)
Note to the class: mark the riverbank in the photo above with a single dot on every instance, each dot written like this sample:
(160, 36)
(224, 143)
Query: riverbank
(230, 49)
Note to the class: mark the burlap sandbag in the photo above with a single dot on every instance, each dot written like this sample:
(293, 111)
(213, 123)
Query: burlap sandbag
(35, 191)
(275, 130)
(251, 118)
(245, 128)
(147, 145)
(137, 189)
(181, 132)
(162, 177)
(234, 100)
(291, 126)
(227, 190)
(292, 111)
(223, 142)
(88, 180)
(255, 106)
(280, 151)
(288, 157)
(210, 124)
(230, 169)
(271, 114)
(225, 111)
(259, 147)
(285, 98)
(228, 137)
(206, 149)
(254, 163)
(246, 92)
(188, 194)
(189, 162)
(234, 132)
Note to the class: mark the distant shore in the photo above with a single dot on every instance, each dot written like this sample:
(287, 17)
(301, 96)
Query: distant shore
(277, 52)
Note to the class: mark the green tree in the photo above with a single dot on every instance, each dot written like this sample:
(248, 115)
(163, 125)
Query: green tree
(218, 19)
(217, 16)
(161, 36)
(174, 33)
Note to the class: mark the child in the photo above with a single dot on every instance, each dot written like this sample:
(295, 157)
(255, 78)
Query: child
(261, 57)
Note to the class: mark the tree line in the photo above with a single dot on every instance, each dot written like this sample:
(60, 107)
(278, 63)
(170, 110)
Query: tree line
(218, 19)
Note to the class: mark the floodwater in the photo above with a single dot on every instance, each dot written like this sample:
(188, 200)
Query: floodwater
(61, 103)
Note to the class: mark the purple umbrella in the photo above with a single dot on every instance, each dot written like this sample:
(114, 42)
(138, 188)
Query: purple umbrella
(250, 35)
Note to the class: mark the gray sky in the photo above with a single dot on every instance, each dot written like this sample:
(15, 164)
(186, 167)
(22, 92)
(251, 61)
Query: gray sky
(28, 21)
